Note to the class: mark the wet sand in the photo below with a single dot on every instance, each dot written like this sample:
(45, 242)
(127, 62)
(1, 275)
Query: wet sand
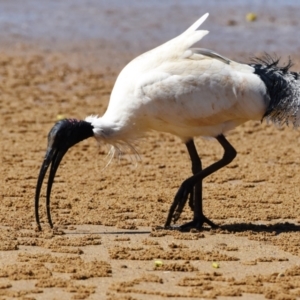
(107, 237)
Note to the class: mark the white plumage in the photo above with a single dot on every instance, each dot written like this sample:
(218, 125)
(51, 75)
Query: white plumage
(176, 89)
(187, 92)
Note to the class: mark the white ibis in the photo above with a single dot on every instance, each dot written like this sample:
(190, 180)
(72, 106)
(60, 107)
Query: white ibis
(187, 92)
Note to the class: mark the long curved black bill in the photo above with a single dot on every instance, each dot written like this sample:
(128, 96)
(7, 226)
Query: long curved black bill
(54, 166)
(54, 158)
(43, 171)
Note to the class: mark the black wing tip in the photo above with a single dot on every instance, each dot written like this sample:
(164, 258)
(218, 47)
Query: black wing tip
(272, 61)
(283, 88)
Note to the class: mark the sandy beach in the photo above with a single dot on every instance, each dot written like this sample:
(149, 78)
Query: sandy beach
(61, 59)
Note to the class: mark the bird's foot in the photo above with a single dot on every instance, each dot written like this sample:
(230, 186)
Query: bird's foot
(197, 223)
(178, 203)
(181, 198)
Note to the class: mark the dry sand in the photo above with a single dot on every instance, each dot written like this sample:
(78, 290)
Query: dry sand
(106, 236)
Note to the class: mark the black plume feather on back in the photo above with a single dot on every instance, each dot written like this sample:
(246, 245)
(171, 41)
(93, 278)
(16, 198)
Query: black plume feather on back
(283, 88)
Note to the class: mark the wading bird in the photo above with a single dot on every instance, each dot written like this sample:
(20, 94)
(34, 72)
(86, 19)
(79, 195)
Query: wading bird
(187, 92)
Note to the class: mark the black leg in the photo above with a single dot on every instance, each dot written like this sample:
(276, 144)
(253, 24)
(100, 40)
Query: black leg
(196, 193)
(188, 185)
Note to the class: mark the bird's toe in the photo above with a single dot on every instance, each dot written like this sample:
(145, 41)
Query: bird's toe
(198, 223)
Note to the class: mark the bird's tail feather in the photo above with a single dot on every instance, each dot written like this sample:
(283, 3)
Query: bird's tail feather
(192, 35)
(283, 88)
(198, 23)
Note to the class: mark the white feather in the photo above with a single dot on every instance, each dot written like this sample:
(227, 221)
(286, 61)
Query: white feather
(181, 90)
(198, 23)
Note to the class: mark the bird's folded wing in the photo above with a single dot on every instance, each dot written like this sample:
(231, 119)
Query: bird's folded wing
(200, 89)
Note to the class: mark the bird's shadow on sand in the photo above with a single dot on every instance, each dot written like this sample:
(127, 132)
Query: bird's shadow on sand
(228, 228)
(272, 228)
(111, 232)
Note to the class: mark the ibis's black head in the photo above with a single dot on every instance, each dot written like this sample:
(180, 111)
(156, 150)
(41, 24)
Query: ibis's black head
(63, 135)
